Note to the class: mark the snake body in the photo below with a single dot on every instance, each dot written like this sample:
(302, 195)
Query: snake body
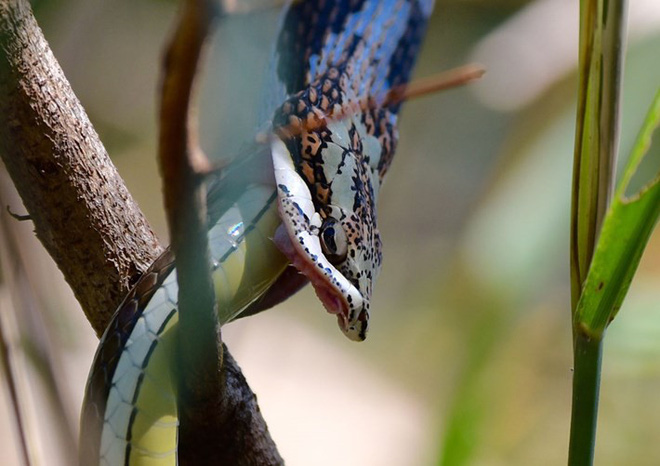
(317, 211)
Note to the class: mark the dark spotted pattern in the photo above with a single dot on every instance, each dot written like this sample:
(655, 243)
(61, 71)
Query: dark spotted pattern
(303, 33)
(360, 51)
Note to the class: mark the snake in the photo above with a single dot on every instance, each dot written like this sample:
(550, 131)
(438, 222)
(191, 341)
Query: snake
(299, 208)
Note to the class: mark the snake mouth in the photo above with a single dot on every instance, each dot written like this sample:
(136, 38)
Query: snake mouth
(298, 239)
(334, 301)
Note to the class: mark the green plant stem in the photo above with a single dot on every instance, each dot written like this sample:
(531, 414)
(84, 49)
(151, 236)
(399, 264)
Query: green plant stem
(602, 32)
(586, 385)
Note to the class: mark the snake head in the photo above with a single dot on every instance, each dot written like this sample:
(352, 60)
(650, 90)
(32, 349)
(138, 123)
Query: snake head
(327, 182)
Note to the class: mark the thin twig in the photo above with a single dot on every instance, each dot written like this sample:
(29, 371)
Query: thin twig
(449, 79)
(208, 389)
(19, 217)
(199, 349)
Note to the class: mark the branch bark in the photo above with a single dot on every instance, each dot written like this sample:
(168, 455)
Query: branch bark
(87, 219)
(80, 206)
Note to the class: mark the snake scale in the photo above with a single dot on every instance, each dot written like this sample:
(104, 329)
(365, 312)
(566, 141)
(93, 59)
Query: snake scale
(312, 219)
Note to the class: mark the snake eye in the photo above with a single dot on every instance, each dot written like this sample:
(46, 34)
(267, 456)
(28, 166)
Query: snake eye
(333, 241)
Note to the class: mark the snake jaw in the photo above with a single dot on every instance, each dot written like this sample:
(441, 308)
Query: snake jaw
(298, 239)
(354, 324)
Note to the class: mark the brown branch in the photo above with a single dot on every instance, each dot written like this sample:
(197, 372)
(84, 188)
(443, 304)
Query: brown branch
(201, 380)
(88, 222)
(181, 161)
(80, 206)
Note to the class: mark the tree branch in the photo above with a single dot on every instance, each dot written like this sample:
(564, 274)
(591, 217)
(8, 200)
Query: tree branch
(87, 220)
(80, 206)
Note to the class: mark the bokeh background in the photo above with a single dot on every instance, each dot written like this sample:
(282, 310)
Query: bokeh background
(469, 356)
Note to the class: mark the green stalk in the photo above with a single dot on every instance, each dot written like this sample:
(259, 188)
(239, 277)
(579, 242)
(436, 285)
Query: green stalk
(596, 137)
(624, 234)
(586, 385)
(596, 141)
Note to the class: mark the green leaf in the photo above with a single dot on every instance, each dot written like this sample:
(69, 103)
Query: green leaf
(625, 232)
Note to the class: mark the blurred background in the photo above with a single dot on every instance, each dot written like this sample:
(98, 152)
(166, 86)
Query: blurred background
(468, 360)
